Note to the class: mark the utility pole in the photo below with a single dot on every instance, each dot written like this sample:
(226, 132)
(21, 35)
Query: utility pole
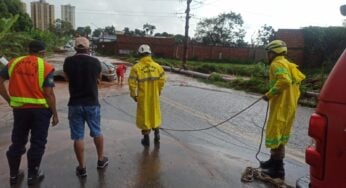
(186, 32)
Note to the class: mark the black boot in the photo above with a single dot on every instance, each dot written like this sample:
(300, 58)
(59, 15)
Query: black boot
(157, 135)
(15, 173)
(276, 170)
(17, 178)
(145, 140)
(266, 164)
(35, 175)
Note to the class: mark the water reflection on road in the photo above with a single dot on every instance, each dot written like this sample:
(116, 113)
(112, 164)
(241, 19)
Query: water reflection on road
(148, 170)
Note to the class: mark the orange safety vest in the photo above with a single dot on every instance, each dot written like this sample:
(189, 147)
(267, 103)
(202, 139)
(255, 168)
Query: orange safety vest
(27, 74)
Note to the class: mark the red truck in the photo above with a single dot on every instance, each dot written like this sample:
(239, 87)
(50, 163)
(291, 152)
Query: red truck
(327, 127)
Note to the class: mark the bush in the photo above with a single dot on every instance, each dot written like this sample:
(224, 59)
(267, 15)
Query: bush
(206, 68)
(215, 77)
(254, 84)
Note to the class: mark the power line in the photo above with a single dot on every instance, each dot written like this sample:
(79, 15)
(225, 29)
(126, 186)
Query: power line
(128, 14)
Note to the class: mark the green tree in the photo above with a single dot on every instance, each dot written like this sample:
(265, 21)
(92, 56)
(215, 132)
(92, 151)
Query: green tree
(149, 29)
(24, 23)
(97, 32)
(12, 44)
(62, 28)
(128, 32)
(226, 28)
(164, 34)
(179, 38)
(264, 35)
(9, 8)
(110, 30)
(81, 31)
(3, 10)
(139, 32)
(87, 30)
(51, 40)
(323, 46)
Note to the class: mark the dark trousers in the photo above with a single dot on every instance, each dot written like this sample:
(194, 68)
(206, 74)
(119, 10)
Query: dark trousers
(36, 122)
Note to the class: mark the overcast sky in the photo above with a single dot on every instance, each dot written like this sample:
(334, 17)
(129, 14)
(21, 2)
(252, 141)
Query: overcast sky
(168, 15)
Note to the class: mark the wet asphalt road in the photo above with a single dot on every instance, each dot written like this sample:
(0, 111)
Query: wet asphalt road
(211, 158)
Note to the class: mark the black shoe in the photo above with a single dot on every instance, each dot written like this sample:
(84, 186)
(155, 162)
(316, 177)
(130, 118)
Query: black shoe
(81, 172)
(276, 170)
(145, 140)
(35, 178)
(274, 173)
(266, 164)
(103, 163)
(15, 179)
(157, 135)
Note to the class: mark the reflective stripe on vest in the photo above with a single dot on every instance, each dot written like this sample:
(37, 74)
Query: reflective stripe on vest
(20, 101)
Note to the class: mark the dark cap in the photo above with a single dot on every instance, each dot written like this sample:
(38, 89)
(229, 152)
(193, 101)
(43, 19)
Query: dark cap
(37, 46)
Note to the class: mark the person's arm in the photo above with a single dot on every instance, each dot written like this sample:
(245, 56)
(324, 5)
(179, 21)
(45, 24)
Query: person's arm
(3, 91)
(132, 80)
(282, 81)
(3, 77)
(49, 95)
(162, 80)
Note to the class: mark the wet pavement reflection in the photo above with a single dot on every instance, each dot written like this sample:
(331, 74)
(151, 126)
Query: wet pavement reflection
(148, 170)
(205, 159)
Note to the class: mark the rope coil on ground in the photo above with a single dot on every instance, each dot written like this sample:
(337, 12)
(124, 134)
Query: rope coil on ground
(251, 174)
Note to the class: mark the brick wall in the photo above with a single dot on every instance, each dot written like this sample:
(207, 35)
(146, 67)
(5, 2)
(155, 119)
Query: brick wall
(203, 52)
(294, 39)
(166, 47)
(160, 46)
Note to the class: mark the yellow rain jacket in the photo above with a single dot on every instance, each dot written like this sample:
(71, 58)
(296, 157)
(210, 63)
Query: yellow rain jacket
(284, 83)
(146, 82)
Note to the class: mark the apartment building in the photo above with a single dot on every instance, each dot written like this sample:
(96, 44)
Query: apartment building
(42, 14)
(68, 14)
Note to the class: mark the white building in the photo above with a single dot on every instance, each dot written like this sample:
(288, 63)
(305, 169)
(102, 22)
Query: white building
(68, 14)
(42, 14)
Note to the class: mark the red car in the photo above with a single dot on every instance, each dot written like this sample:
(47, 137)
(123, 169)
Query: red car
(327, 156)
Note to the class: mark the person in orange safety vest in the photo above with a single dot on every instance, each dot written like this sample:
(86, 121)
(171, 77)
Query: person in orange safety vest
(31, 95)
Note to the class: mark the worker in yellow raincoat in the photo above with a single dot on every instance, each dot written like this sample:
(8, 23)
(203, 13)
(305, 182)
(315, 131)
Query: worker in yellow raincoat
(146, 82)
(283, 95)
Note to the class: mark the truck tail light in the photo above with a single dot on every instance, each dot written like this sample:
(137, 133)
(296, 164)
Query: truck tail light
(315, 153)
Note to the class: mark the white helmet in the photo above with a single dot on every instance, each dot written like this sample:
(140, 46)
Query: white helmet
(144, 48)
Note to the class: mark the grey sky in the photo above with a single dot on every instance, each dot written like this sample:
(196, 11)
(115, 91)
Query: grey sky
(168, 15)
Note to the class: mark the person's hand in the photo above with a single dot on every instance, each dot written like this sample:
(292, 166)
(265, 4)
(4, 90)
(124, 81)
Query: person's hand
(55, 120)
(264, 97)
(135, 98)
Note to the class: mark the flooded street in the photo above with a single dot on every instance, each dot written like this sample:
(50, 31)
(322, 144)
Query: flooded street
(209, 158)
